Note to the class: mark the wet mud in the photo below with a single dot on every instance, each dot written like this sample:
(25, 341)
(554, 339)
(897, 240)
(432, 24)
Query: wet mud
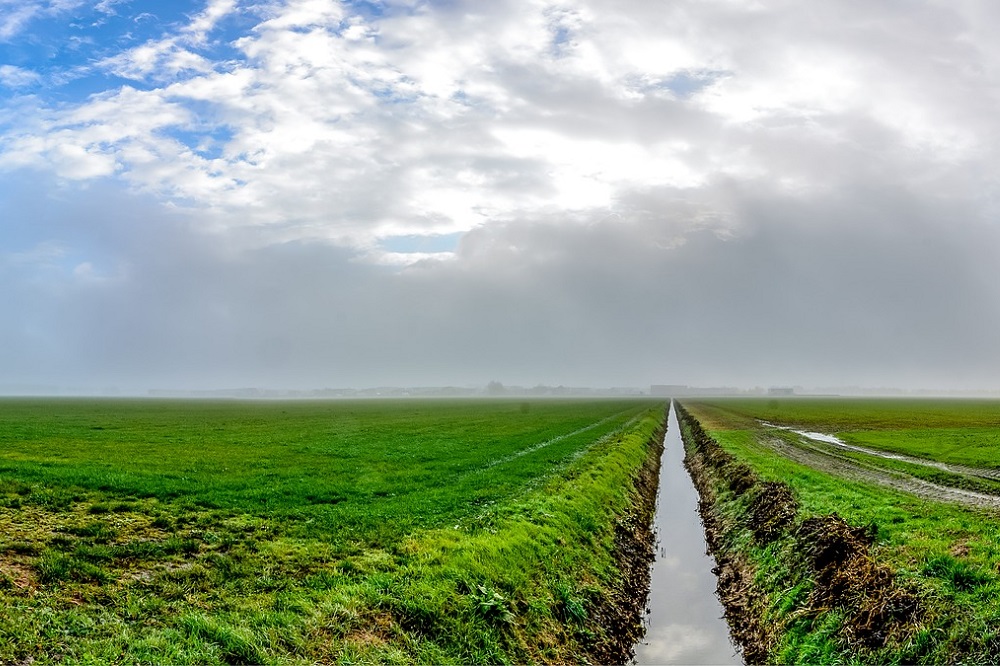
(837, 443)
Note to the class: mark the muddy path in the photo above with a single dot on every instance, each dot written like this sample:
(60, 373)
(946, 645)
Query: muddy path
(980, 472)
(823, 455)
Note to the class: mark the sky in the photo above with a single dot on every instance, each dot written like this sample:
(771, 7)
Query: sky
(329, 193)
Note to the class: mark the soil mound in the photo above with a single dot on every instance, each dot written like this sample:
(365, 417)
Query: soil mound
(771, 510)
(837, 555)
(846, 575)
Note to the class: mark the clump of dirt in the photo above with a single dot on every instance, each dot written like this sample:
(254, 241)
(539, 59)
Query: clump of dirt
(837, 555)
(740, 478)
(619, 615)
(772, 509)
(846, 575)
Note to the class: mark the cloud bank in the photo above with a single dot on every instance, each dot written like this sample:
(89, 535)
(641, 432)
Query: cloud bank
(319, 193)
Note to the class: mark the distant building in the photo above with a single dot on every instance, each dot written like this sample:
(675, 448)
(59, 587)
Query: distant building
(780, 391)
(682, 391)
(668, 390)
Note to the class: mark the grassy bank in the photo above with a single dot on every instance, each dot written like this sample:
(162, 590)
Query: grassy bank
(819, 568)
(319, 532)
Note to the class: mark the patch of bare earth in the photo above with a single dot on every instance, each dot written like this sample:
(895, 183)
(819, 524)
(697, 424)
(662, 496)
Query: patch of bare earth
(20, 576)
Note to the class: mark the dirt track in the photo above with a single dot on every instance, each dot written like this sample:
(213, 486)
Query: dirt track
(981, 472)
(825, 457)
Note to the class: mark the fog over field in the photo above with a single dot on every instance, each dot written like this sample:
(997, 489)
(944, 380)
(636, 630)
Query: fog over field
(308, 193)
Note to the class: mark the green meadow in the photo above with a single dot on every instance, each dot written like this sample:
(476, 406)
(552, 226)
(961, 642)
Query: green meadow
(928, 588)
(303, 532)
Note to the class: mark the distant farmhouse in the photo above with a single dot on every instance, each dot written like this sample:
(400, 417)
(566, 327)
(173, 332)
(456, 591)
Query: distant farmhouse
(668, 390)
(679, 391)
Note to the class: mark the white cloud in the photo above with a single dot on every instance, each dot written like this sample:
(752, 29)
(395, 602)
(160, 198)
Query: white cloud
(297, 14)
(108, 6)
(705, 191)
(17, 77)
(406, 258)
(437, 119)
(42, 254)
(174, 55)
(203, 23)
(15, 15)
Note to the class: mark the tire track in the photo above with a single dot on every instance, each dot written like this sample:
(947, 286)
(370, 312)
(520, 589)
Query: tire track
(965, 470)
(558, 438)
(826, 460)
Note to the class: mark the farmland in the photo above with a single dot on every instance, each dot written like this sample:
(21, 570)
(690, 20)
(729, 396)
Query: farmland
(854, 530)
(284, 532)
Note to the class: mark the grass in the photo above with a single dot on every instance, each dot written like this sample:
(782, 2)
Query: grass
(303, 532)
(947, 556)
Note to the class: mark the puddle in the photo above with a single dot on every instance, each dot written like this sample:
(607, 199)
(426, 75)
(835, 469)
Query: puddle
(684, 621)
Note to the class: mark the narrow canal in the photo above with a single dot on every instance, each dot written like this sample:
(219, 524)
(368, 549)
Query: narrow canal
(685, 623)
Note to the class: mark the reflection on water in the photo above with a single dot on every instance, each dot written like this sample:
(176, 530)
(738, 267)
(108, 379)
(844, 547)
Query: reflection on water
(684, 621)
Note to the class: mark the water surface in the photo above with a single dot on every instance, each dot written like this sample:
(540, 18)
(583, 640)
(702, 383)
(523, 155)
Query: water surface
(684, 624)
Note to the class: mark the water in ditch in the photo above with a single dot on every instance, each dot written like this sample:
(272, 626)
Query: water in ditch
(684, 621)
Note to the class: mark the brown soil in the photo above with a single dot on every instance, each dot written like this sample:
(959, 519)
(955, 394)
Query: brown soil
(619, 617)
(846, 575)
(17, 575)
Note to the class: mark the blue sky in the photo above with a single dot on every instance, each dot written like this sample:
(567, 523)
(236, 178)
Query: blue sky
(532, 191)
(64, 47)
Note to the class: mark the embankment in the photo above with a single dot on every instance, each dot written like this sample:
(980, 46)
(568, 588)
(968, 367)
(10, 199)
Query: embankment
(620, 613)
(795, 586)
(560, 575)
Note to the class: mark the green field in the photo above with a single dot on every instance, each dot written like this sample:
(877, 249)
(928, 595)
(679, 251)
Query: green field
(934, 549)
(965, 432)
(246, 532)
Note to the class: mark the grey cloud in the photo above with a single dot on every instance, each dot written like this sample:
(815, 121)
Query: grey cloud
(860, 287)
